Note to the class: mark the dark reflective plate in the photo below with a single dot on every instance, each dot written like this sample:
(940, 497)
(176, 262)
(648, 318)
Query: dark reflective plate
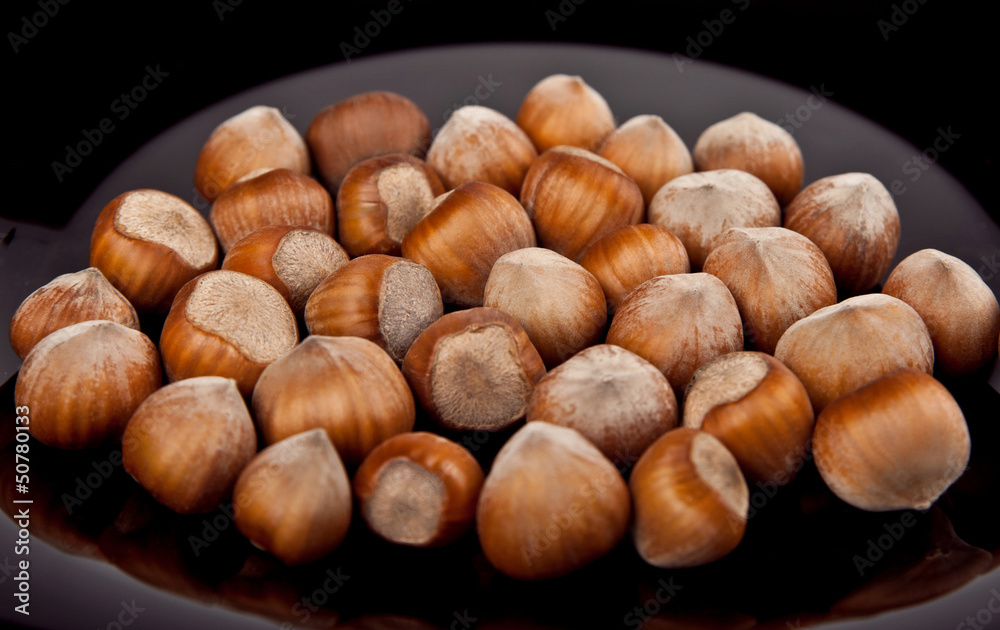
(104, 555)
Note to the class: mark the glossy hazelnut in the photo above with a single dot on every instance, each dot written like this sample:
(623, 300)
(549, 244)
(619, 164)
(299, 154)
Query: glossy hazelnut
(364, 126)
(758, 409)
(853, 219)
(481, 144)
(575, 197)
(443, 240)
(960, 310)
(384, 299)
(226, 323)
(678, 323)
(632, 254)
(760, 147)
(268, 197)
(614, 398)
(690, 500)
(381, 199)
(259, 137)
(347, 386)
(776, 276)
(68, 299)
(188, 441)
(649, 151)
(558, 303)
(292, 260)
(563, 109)
(551, 503)
(293, 499)
(473, 369)
(148, 243)
(418, 489)
(896, 443)
(83, 382)
(699, 207)
(841, 347)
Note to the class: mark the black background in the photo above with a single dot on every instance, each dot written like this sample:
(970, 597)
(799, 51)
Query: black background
(931, 72)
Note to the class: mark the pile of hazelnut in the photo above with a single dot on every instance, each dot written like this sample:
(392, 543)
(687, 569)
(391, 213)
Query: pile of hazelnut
(594, 294)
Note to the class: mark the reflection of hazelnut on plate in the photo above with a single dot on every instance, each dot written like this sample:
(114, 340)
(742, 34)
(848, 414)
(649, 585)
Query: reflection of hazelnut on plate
(563, 109)
(68, 299)
(690, 499)
(381, 199)
(575, 197)
(474, 369)
(148, 243)
(290, 259)
(558, 303)
(896, 443)
(632, 254)
(777, 277)
(550, 504)
(614, 398)
(83, 382)
(384, 299)
(649, 151)
(259, 137)
(481, 144)
(853, 219)
(678, 323)
(699, 207)
(960, 310)
(760, 147)
(418, 489)
(841, 347)
(757, 408)
(270, 197)
(364, 126)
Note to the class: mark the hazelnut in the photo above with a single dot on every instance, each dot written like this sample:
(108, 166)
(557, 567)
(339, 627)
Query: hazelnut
(292, 260)
(270, 197)
(760, 147)
(259, 137)
(699, 207)
(649, 151)
(690, 499)
(575, 197)
(148, 243)
(550, 504)
(187, 443)
(68, 299)
(841, 347)
(558, 303)
(474, 213)
(959, 309)
(226, 323)
(384, 299)
(632, 254)
(777, 277)
(381, 199)
(294, 499)
(757, 408)
(896, 443)
(347, 386)
(473, 369)
(853, 219)
(614, 398)
(481, 144)
(563, 109)
(678, 323)
(83, 382)
(418, 489)
(364, 126)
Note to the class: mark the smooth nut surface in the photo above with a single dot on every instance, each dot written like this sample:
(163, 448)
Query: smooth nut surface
(649, 151)
(563, 109)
